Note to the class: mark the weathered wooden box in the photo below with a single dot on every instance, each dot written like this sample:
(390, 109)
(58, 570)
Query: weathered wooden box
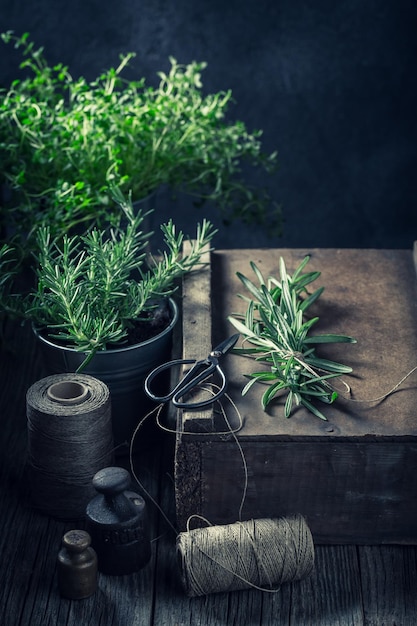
(353, 477)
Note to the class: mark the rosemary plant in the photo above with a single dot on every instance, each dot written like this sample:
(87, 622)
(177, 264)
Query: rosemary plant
(277, 332)
(93, 288)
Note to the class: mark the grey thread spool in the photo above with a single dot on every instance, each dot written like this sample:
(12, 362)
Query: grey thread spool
(69, 440)
(260, 553)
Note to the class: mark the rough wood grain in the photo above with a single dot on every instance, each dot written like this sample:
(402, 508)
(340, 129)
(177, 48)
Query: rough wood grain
(332, 486)
(388, 578)
(352, 476)
(332, 595)
(196, 321)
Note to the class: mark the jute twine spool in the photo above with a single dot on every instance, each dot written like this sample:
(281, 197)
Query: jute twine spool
(259, 553)
(69, 439)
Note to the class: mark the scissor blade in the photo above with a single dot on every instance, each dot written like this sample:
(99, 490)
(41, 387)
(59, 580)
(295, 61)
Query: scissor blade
(225, 345)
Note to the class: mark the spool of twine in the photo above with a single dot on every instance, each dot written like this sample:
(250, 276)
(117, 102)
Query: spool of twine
(69, 439)
(259, 553)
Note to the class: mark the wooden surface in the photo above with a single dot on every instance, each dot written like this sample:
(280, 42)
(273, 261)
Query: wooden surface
(350, 586)
(370, 295)
(353, 477)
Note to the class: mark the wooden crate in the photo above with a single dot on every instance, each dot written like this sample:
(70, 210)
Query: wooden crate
(354, 477)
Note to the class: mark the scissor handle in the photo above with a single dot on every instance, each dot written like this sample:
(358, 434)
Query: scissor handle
(201, 403)
(190, 381)
(165, 366)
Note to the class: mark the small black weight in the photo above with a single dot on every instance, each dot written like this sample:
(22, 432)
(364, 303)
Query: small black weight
(76, 566)
(117, 521)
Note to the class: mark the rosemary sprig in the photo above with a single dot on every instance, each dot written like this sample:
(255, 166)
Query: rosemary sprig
(277, 332)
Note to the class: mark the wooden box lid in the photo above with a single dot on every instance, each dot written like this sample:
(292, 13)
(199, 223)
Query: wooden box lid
(369, 294)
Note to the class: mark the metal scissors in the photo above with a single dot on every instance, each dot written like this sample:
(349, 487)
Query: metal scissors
(201, 370)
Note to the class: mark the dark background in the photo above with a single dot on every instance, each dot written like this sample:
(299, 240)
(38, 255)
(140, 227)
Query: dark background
(331, 83)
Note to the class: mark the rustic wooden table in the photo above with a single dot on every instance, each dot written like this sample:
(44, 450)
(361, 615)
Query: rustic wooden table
(351, 585)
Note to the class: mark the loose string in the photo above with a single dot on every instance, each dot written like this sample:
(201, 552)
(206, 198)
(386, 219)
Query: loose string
(385, 395)
(298, 356)
(231, 431)
(157, 410)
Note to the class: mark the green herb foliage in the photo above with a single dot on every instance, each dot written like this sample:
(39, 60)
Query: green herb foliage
(94, 286)
(63, 140)
(8, 265)
(276, 328)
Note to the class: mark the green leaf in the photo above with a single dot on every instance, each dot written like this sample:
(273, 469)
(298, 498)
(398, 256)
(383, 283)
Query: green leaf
(245, 351)
(305, 280)
(300, 268)
(305, 304)
(249, 286)
(288, 404)
(313, 379)
(270, 393)
(248, 386)
(313, 409)
(330, 338)
(262, 376)
(330, 366)
(258, 273)
(241, 327)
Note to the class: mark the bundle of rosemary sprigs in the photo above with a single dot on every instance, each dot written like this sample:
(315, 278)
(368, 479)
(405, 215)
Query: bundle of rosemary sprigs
(276, 332)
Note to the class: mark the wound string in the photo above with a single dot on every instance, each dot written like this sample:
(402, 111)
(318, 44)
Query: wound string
(259, 554)
(69, 439)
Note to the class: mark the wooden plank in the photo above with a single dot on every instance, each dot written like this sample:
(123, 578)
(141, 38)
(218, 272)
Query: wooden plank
(388, 576)
(332, 595)
(266, 609)
(196, 323)
(188, 479)
(341, 490)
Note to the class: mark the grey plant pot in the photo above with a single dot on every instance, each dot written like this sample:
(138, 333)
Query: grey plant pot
(123, 370)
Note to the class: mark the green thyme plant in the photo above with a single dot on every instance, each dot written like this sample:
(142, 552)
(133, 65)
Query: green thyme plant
(93, 288)
(63, 140)
(8, 269)
(9, 302)
(277, 334)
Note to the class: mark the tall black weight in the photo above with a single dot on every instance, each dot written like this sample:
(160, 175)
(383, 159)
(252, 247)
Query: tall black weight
(117, 521)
